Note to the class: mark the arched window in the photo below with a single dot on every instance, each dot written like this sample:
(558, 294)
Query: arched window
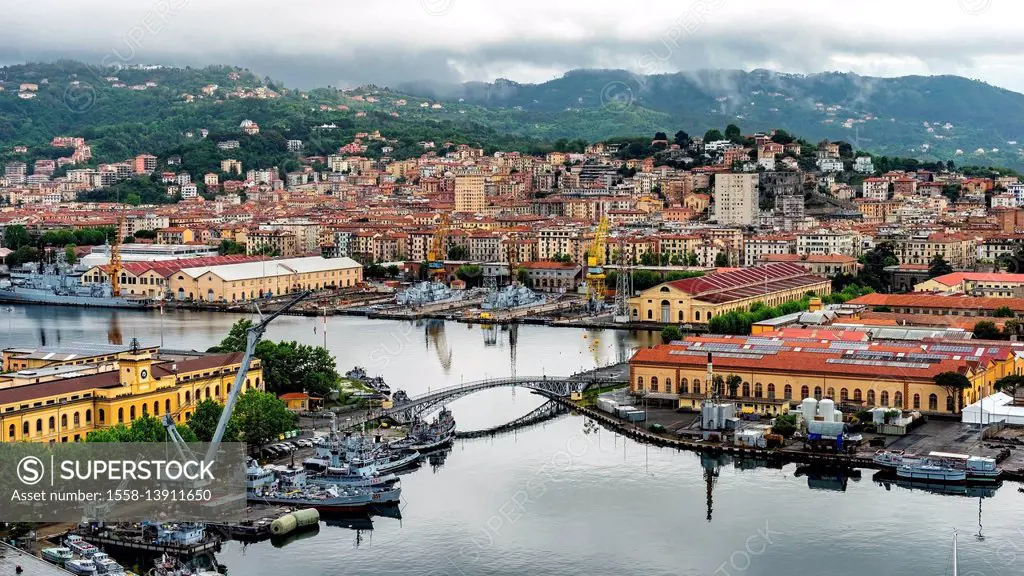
(207, 392)
(120, 415)
(885, 397)
(75, 419)
(188, 397)
(24, 429)
(758, 390)
(11, 432)
(831, 392)
(650, 314)
(63, 421)
(684, 386)
(817, 392)
(950, 405)
(639, 382)
(746, 389)
(696, 386)
(696, 315)
(145, 409)
(933, 402)
(39, 425)
(88, 416)
(805, 392)
(844, 394)
(668, 385)
(216, 392)
(856, 395)
(898, 400)
(103, 415)
(53, 424)
(167, 406)
(131, 413)
(787, 392)
(871, 397)
(257, 381)
(654, 383)
(771, 391)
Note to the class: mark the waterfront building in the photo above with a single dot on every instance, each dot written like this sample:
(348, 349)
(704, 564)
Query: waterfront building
(60, 394)
(251, 280)
(700, 299)
(857, 372)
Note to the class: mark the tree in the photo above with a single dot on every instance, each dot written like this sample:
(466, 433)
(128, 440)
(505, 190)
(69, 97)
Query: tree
(1003, 312)
(733, 132)
(876, 260)
(986, 330)
(784, 425)
(15, 237)
(560, 257)
(1009, 384)
(682, 139)
(69, 255)
(524, 278)
(660, 136)
(955, 383)
(713, 135)
(261, 417)
(939, 267)
(733, 382)
(294, 367)
(145, 429)
(204, 422)
(670, 334)
(721, 260)
(457, 252)
(470, 274)
(229, 247)
(782, 137)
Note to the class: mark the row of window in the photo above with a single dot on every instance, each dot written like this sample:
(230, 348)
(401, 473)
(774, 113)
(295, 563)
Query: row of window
(759, 392)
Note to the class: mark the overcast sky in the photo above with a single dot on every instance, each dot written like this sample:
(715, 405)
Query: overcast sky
(343, 43)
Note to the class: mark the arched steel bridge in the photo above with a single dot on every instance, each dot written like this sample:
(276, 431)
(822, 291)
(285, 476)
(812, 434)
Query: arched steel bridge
(419, 406)
(539, 415)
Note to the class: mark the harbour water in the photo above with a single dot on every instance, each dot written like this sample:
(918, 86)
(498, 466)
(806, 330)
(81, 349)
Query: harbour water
(558, 499)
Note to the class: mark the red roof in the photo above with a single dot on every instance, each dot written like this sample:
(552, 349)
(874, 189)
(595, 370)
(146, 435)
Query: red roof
(294, 396)
(746, 282)
(943, 302)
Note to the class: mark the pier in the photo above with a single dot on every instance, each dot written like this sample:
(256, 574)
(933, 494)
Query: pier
(31, 565)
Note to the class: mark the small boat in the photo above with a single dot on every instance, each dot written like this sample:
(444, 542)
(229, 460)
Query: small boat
(79, 546)
(931, 471)
(57, 555)
(107, 565)
(81, 566)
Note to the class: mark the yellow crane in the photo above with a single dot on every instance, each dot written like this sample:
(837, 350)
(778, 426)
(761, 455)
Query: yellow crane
(113, 269)
(596, 261)
(436, 253)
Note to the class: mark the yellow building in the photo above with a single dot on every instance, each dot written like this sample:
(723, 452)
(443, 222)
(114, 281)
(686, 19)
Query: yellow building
(60, 394)
(775, 375)
(251, 280)
(469, 192)
(697, 300)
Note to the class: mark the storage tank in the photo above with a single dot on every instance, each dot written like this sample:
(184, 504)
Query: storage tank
(809, 408)
(298, 519)
(827, 410)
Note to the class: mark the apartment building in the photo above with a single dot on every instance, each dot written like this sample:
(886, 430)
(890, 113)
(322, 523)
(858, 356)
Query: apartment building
(736, 199)
(469, 192)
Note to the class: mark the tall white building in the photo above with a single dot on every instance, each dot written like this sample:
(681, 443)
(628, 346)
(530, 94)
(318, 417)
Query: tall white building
(736, 199)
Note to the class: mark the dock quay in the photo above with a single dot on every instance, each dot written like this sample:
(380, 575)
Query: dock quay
(106, 540)
(784, 455)
(31, 565)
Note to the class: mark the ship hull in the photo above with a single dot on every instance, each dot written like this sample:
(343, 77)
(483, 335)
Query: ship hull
(13, 297)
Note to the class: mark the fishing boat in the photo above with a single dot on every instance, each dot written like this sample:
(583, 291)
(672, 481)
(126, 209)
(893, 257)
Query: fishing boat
(57, 555)
(82, 566)
(930, 471)
(79, 546)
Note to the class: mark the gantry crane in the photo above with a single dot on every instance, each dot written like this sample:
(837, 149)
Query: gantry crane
(596, 260)
(436, 253)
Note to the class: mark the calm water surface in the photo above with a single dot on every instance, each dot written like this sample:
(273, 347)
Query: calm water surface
(554, 499)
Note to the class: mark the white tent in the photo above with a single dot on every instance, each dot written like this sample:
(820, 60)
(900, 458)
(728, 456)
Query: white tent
(991, 409)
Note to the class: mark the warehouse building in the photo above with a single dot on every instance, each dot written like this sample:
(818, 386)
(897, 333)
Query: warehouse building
(700, 299)
(267, 278)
